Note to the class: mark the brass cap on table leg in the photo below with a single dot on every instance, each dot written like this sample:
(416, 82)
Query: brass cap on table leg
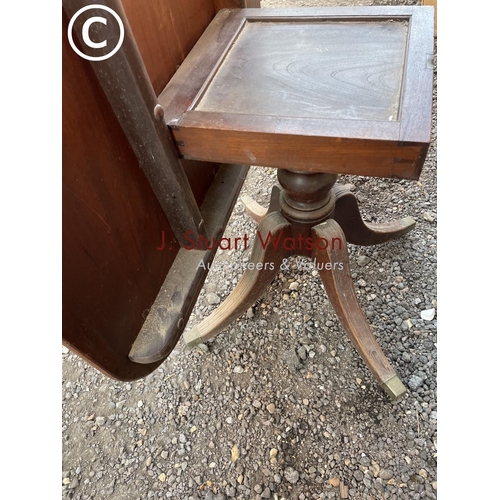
(394, 387)
(192, 337)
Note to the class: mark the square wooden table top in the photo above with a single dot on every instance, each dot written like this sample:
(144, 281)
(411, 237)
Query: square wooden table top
(344, 90)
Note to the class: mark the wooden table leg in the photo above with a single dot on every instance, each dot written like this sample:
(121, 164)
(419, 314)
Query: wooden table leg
(359, 232)
(258, 212)
(340, 289)
(252, 284)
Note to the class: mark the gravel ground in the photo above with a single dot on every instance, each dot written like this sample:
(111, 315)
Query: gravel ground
(280, 405)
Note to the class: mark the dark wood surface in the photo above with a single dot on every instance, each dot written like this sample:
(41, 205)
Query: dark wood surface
(173, 305)
(327, 70)
(112, 220)
(344, 90)
(340, 290)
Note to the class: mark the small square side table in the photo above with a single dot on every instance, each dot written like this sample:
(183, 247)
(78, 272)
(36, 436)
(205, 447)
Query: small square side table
(315, 93)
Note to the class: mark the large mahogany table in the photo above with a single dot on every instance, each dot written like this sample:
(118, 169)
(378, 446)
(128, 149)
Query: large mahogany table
(315, 93)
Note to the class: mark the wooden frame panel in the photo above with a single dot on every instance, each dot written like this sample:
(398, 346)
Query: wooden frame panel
(388, 149)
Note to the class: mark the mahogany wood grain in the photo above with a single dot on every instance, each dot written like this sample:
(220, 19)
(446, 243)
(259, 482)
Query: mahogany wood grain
(359, 232)
(251, 286)
(339, 287)
(312, 69)
(111, 226)
(345, 90)
(258, 212)
(112, 221)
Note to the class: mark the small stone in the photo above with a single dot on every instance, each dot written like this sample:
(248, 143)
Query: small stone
(429, 217)
(271, 408)
(385, 474)
(294, 286)
(361, 282)
(250, 313)
(140, 404)
(257, 488)
(66, 480)
(213, 465)
(235, 454)
(148, 461)
(306, 402)
(334, 481)
(182, 411)
(213, 298)
(302, 353)
(256, 404)
(266, 493)
(162, 477)
(358, 475)
(415, 382)
(238, 369)
(273, 453)
(423, 473)
(112, 405)
(100, 421)
(428, 314)
(363, 260)
(434, 485)
(65, 350)
(291, 359)
(164, 454)
(201, 348)
(291, 475)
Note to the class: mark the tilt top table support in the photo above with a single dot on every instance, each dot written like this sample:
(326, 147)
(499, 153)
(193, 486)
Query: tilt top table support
(310, 210)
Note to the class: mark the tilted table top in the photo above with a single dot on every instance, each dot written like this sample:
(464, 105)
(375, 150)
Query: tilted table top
(344, 90)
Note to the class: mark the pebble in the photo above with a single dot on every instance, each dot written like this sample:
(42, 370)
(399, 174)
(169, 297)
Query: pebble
(266, 493)
(65, 350)
(362, 260)
(291, 475)
(235, 453)
(358, 475)
(385, 474)
(271, 408)
(415, 382)
(294, 286)
(238, 369)
(428, 314)
(213, 298)
(100, 421)
(291, 360)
